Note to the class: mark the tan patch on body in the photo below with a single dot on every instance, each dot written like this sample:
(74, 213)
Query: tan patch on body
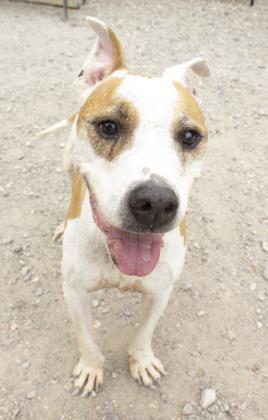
(135, 286)
(189, 115)
(78, 193)
(102, 105)
(183, 230)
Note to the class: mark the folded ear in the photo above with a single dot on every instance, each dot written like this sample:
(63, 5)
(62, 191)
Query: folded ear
(105, 57)
(180, 73)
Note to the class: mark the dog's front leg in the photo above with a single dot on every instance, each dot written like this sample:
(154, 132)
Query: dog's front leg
(144, 366)
(89, 369)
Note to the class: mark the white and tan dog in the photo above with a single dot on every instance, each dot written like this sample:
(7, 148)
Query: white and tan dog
(136, 146)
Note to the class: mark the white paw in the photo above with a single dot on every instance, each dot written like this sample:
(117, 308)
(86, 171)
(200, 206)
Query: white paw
(88, 378)
(145, 367)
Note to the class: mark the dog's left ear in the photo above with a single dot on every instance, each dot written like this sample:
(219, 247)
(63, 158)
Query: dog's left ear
(181, 72)
(105, 57)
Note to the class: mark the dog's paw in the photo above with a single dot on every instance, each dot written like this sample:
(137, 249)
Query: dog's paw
(58, 233)
(145, 368)
(88, 377)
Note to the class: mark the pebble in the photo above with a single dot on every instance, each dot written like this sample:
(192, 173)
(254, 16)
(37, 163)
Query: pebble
(96, 324)
(39, 291)
(13, 326)
(259, 324)
(17, 249)
(208, 397)
(261, 296)
(265, 246)
(105, 310)
(200, 313)
(231, 335)
(8, 241)
(68, 387)
(24, 271)
(31, 394)
(265, 273)
(188, 409)
(114, 375)
(26, 365)
(253, 286)
(187, 287)
(95, 303)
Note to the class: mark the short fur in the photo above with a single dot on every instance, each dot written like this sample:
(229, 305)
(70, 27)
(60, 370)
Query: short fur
(152, 110)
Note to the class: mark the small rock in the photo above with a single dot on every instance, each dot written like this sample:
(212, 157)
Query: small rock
(13, 326)
(265, 273)
(231, 335)
(26, 365)
(188, 409)
(253, 286)
(96, 324)
(24, 271)
(8, 241)
(191, 373)
(153, 404)
(200, 313)
(261, 296)
(264, 245)
(259, 324)
(105, 310)
(68, 387)
(31, 394)
(95, 303)
(35, 279)
(226, 407)
(114, 375)
(39, 291)
(208, 397)
(187, 287)
(17, 249)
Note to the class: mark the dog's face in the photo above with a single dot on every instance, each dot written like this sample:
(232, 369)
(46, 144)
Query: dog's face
(140, 143)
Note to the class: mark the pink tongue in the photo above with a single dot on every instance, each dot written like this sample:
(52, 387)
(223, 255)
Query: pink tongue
(134, 254)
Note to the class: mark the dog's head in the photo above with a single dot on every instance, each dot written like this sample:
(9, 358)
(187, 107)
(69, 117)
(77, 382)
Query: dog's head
(139, 144)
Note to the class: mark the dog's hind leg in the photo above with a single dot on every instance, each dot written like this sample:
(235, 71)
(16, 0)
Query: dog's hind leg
(89, 369)
(144, 366)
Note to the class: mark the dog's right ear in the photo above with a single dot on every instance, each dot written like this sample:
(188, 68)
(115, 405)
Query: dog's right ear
(105, 57)
(181, 72)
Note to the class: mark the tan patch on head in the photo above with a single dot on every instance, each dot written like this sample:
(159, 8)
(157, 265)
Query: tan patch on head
(190, 108)
(106, 104)
(183, 230)
(78, 193)
(189, 115)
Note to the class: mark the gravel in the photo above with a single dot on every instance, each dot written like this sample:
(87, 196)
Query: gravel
(225, 275)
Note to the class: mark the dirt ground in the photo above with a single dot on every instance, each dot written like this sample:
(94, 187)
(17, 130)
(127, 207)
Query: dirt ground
(215, 329)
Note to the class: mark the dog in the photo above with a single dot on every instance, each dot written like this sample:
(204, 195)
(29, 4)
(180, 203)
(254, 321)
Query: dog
(135, 147)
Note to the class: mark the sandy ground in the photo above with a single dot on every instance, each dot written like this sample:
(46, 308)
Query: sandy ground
(215, 330)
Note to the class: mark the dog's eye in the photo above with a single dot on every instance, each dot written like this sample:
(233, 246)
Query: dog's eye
(189, 138)
(107, 128)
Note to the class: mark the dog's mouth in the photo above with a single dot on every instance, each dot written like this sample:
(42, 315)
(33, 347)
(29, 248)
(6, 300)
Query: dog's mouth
(135, 254)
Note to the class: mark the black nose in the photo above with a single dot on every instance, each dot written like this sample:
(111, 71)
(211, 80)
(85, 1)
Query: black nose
(153, 206)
